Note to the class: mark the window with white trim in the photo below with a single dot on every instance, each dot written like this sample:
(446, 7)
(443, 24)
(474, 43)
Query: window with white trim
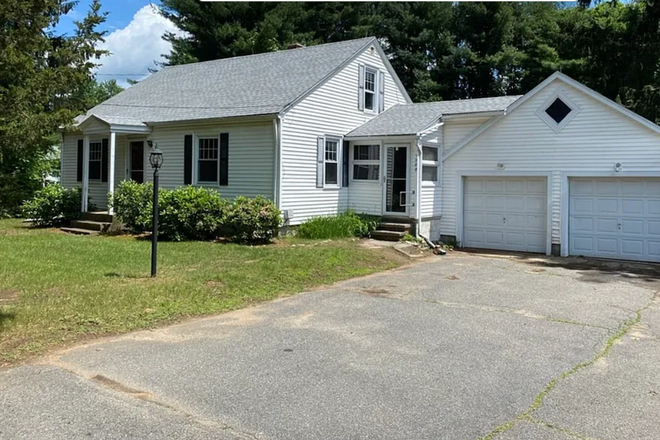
(370, 96)
(430, 164)
(95, 158)
(207, 160)
(331, 163)
(366, 162)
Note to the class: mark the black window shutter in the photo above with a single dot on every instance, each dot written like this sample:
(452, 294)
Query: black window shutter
(80, 161)
(224, 159)
(187, 159)
(104, 160)
(344, 164)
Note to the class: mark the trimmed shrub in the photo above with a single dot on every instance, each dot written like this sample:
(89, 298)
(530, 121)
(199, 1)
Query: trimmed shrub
(254, 220)
(133, 205)
(53, 206)
(348, 224)
(190, 212)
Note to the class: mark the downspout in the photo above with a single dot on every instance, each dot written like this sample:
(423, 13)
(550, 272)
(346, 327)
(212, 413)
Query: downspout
(276, 168)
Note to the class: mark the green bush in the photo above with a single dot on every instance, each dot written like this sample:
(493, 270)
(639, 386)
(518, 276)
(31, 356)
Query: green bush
(53, 206)
(254, 220)
(348, 224)
(192, 213)
(133, 205)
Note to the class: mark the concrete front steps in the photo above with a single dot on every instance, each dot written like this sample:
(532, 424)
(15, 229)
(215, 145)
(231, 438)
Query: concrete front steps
(392, 229)
(91, 223)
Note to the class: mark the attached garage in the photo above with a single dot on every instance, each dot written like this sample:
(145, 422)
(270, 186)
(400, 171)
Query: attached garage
(505, 213)
(615, 218)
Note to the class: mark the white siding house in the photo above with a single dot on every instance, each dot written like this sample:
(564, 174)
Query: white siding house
(331, 110)
(328, 128)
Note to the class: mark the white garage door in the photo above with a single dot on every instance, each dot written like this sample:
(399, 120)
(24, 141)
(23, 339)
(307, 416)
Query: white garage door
(615, 218)
(506, 213)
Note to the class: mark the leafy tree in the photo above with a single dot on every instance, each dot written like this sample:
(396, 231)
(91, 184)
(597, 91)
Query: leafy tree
(40, 72)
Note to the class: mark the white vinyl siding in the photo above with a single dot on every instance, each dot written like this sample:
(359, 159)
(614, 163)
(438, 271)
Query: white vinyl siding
(596, 139)
(251, 156)
(98, 191)
(332, 109)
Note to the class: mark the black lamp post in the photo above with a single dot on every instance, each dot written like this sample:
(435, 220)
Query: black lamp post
(156, 161)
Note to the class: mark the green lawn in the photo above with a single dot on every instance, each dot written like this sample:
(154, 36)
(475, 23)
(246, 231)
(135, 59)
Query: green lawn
(57, 288)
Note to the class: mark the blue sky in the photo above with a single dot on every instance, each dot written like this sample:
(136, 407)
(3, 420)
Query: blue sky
(134, 29)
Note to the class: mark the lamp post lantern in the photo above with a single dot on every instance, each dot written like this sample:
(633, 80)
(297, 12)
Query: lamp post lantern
(156, 161)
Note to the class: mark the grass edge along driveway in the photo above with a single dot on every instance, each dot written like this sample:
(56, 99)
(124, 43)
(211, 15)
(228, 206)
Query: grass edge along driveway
(56, 289)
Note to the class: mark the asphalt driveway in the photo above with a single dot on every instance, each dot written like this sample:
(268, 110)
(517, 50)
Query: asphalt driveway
(459, 347)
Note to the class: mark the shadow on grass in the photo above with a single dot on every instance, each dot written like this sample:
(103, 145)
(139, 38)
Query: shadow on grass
(593, 270)
(6, 318)
(124, 275)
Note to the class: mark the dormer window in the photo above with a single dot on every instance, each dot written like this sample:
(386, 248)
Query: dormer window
(558, 110)
(370, 89)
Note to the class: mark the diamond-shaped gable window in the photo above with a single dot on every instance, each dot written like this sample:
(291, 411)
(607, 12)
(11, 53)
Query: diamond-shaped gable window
(558, 110)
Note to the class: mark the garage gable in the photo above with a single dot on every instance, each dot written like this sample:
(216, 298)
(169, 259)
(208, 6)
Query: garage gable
(556, 94)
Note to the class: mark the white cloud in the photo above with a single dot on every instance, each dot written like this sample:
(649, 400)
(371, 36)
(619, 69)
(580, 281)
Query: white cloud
(135, 47)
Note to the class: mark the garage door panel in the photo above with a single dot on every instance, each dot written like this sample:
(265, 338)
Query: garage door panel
(632, 206)
(606, 225)
(515, 221)
(581, 205)
(652, 189)
(494, 220)
(654, 249)
(495, 238)
(633, 188)
(625, 214)
(536, 204)
(633, 248)
(606, 206)
(476, 202)
(582, 244)
(515, 186)
(607, 188)
(494, 186)
(536, 187)
(514, 203)
(629, 226)
(474, 219)
(513, 210)
(654, 227)
(494, 202)
(653, 207)
(535, 222)
(607, 245)
(514, 240)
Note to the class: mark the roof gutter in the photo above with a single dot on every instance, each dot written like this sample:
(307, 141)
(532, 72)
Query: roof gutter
(474, 115)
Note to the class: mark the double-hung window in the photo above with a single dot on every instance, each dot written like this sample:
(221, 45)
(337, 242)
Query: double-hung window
(366, 162)
(430, 164)
(370, 96)
(207, 160)
(331, 163)
(95, 154)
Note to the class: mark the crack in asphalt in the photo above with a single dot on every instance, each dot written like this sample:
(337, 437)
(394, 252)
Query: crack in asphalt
(125, 390)
(563, 430)
(537, 403)
(519, 312)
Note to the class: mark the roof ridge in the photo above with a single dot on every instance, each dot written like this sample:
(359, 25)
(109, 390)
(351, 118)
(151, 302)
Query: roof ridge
(464, 99)
(275, 52)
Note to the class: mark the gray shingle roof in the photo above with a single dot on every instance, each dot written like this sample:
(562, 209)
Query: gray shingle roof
(410, 119)
(241, 86)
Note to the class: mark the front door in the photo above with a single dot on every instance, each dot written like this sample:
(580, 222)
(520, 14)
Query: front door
(136, 162)
(396, 180)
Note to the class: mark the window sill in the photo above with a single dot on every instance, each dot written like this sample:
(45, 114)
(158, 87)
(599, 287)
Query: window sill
(331, 187)
(429, 184)
(365, 181)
